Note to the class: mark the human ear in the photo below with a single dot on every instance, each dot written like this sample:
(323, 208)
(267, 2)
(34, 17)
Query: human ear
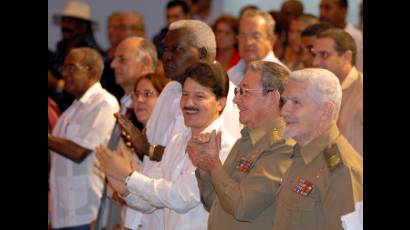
(327, 111)
(203, 53)
(348, 56)
(221, 102)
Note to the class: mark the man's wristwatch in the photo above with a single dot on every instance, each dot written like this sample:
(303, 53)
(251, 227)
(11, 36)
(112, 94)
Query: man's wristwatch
(151, 151)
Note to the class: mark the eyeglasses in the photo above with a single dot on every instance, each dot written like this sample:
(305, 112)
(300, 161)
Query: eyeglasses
(70, 68)
(243, 91)
(146, 94)
(255, 36)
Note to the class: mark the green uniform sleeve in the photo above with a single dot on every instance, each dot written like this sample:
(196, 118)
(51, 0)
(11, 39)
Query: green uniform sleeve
(252, 194)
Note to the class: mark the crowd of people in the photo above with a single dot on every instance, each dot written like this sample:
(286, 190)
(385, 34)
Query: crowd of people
(219, 122)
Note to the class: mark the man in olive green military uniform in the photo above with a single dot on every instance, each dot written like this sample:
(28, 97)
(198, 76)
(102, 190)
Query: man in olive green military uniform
(325, 179)
(241, 193)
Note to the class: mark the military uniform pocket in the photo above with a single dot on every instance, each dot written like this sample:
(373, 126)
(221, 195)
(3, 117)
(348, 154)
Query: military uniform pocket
(300, 212)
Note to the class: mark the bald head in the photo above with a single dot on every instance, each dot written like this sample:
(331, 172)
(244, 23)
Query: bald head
(134, 57)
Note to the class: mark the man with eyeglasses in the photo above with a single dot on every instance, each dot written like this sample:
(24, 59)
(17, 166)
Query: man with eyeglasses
(335, 50)
(75, 185)
(255, 41)
(77, 30)
(175, 190)
(240, 193)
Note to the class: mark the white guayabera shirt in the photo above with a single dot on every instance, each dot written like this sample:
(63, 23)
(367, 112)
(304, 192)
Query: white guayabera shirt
(177, 191)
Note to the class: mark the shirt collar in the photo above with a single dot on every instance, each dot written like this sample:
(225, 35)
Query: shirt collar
(269, 57)
(350, 78)
(317, 145)
(126, 101)
(90, 91)
(257, 133)
(215, 125)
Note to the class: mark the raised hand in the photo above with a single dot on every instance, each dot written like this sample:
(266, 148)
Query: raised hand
(112, 164)
(203, 150)
(132, 136)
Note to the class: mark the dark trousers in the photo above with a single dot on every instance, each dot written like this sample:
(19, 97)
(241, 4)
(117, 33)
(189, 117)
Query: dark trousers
(82, 227)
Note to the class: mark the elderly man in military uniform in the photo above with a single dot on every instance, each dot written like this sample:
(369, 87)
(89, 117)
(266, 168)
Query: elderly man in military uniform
(325, 179)
(240, 193)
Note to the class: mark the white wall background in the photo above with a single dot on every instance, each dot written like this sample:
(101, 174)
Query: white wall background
(154, 16)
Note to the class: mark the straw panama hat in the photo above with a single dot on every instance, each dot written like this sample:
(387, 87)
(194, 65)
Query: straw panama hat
(75, 9)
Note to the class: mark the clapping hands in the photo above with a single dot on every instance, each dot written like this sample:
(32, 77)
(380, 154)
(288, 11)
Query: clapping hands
(203, 150)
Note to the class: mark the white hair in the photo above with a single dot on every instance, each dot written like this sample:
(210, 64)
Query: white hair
(270, 22)
(145, 48)
(199, 34)
(148, 49)
(322, 85)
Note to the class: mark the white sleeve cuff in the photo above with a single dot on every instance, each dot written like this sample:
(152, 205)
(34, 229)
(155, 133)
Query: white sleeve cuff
(137, 182)
(132, 218)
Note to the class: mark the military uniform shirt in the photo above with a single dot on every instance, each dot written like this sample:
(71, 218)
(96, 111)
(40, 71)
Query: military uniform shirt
(323, 183)
(240, 194)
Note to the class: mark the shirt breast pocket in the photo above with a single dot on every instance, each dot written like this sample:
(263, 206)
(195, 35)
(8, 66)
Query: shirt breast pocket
(301, 210)
(72, 131)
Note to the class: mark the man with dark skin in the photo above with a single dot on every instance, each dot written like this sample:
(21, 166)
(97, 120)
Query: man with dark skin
(85, 124)
(180, 51)
(76, 86)
(187, 42)
(77, 30)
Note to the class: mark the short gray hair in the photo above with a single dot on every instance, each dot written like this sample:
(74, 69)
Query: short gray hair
(270, 22)
(144, 48)
(199, 34)
(147, 48)
(322, 86)
(92, 58)
(274, 76)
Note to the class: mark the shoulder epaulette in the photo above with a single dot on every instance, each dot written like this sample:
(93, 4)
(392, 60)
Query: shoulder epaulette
(275, 136)
(290, 141)
(332, 157)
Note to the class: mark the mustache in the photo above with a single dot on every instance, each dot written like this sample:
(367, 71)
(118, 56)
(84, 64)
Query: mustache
(190, 108)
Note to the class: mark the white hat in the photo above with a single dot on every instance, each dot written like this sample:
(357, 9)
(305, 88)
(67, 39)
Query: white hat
(75, 9)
